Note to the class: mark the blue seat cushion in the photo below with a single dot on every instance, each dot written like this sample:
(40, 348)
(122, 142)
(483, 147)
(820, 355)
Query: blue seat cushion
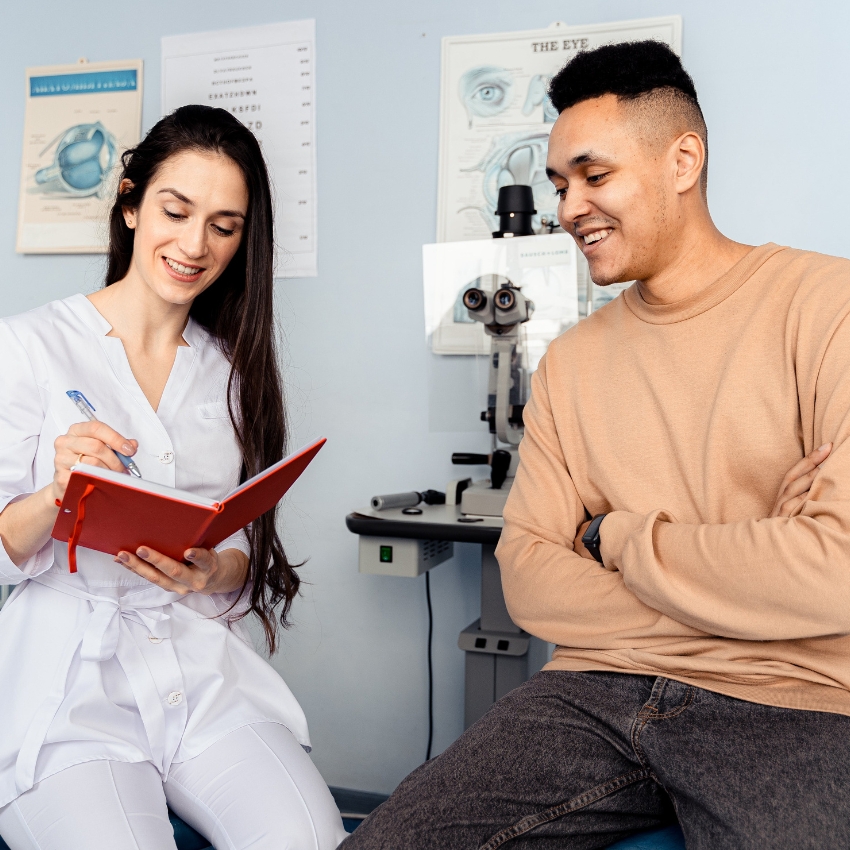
(669, 838)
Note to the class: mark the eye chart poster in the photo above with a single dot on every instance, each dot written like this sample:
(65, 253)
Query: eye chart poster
(495, 115)
(79, 119)
(265, 76)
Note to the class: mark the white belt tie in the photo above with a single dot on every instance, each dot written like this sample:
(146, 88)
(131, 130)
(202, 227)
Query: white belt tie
(99, 640)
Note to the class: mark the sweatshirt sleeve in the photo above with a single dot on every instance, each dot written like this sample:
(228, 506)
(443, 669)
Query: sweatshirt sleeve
(550, 591)
(758, 579)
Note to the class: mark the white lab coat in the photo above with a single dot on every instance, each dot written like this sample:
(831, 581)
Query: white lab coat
(102, 664)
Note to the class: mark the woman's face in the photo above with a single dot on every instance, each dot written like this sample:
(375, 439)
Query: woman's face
(188, 225)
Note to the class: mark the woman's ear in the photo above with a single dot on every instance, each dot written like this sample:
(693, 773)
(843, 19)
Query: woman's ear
(124, 187)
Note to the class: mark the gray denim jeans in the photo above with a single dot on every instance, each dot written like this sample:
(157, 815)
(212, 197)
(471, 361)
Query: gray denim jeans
(582, 760)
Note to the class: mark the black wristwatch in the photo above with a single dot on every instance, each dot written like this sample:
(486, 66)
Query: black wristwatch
(591, 538)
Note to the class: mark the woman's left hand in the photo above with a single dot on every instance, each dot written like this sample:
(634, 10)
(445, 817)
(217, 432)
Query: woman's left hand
(207, 572)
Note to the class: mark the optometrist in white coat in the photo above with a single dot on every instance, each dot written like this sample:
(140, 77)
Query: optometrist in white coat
(127, 684)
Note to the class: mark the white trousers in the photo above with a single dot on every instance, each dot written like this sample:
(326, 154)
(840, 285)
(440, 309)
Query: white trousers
(256, 788)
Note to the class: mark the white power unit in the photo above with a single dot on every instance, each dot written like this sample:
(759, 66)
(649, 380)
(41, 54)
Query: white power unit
(395, 556)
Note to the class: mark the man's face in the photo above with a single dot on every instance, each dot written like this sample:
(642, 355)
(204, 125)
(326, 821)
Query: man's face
(615, 190)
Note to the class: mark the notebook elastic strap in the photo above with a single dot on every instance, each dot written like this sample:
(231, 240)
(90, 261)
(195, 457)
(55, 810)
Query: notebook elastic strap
(78, 528)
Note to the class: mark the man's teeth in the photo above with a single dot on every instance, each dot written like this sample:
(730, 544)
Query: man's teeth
(595, 236)
(180, 268)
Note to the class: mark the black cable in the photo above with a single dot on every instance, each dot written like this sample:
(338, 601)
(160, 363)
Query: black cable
(430, 667)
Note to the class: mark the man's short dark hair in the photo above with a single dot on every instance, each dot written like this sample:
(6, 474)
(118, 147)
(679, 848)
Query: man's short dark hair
(626, 70)
(646, 74)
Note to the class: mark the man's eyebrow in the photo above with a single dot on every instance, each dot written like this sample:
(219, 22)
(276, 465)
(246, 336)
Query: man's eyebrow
(181, 197)
(587, 158)
(584, 158)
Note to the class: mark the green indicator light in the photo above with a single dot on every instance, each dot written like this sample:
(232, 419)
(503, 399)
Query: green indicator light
(386, 555)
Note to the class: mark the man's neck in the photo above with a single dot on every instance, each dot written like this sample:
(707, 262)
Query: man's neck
(697, 262)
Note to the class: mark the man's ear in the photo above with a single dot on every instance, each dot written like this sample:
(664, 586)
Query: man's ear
(689, 155)
(124, 187)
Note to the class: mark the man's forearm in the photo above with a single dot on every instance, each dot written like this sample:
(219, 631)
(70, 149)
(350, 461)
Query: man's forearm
(772, 579)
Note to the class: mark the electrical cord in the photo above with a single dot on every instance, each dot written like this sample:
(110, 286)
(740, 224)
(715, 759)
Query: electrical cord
(430, 666)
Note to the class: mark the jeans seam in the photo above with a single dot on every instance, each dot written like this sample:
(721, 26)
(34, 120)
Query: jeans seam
(689, 698)
(592, 796)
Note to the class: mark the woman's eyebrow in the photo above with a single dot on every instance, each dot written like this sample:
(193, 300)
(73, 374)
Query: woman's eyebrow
(181, 197)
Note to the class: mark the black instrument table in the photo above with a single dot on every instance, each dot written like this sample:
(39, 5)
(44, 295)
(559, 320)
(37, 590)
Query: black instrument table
(496, 648)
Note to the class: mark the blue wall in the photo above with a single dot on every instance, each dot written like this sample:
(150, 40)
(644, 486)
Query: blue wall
(773, 79)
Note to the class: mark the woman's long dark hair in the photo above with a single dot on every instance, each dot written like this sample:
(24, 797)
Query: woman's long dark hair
(238, 310)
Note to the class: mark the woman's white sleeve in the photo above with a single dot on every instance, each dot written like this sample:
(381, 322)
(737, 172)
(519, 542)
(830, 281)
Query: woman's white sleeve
(21, 420)
(239, 541)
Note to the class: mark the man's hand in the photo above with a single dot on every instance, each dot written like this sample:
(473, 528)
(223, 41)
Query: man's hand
(794, 489)
(207, 572)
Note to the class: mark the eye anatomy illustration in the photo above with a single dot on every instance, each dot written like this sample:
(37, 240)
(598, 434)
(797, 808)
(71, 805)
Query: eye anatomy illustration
(82, 162)
(537, 94)
(485, 91)
(515, 158)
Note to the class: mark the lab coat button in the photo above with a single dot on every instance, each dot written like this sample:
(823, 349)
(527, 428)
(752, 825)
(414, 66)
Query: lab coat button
(166, 457)
(174, 698)
(154, 639)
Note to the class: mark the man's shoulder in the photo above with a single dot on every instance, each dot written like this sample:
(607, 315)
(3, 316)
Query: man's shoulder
(815, 287)
(821, 275)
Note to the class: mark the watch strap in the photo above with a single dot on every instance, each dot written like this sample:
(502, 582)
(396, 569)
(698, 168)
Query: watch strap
(592, 539)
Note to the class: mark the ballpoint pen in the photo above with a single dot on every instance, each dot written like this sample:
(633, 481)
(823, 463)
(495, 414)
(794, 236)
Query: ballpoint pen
(87, 409)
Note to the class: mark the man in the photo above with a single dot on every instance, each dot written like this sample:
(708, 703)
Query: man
(702, 622)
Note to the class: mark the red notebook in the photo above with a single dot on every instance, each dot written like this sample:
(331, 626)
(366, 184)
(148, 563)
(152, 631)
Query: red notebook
(111, 512)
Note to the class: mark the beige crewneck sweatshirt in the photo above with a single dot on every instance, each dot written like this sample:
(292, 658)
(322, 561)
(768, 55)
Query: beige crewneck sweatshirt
(681, 420)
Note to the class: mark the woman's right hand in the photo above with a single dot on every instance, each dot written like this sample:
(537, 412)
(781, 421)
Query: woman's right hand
(91, 443)
(794, 489)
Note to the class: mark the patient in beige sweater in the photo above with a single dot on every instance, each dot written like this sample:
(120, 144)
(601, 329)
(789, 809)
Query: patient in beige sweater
(702, 619)
(679, 421)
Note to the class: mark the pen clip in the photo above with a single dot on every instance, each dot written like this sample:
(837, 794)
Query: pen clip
(76, 396)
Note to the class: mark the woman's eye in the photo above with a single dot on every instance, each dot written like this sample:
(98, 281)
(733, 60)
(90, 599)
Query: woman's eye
(222, 231)
(173, 216)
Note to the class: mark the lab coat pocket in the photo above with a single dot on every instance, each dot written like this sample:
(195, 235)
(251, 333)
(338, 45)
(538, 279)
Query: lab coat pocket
(214, 410)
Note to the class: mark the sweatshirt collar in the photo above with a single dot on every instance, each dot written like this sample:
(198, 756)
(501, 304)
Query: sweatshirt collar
(705, 299)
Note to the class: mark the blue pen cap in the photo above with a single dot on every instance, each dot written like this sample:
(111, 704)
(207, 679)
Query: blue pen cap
(76, 396)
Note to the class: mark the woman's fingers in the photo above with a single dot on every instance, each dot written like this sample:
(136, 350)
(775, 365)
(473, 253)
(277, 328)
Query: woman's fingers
(169, 574)
(92, 443)
(165, 573)
(106, 435)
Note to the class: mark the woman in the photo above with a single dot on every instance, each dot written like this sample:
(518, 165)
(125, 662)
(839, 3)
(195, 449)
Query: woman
(130, 682)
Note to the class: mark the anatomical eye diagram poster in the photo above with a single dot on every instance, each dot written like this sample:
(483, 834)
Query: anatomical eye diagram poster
(79, 119)
(495, 115)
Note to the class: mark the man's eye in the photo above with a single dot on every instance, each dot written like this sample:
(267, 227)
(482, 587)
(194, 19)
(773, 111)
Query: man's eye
(595, 178)
(561, 193)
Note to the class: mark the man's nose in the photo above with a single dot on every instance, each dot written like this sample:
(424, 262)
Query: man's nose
(574, 206)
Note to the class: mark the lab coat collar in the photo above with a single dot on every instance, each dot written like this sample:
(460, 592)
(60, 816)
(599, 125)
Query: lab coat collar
(194, 334)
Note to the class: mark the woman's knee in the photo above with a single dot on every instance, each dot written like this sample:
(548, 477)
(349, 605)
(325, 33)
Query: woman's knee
(256, 788)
